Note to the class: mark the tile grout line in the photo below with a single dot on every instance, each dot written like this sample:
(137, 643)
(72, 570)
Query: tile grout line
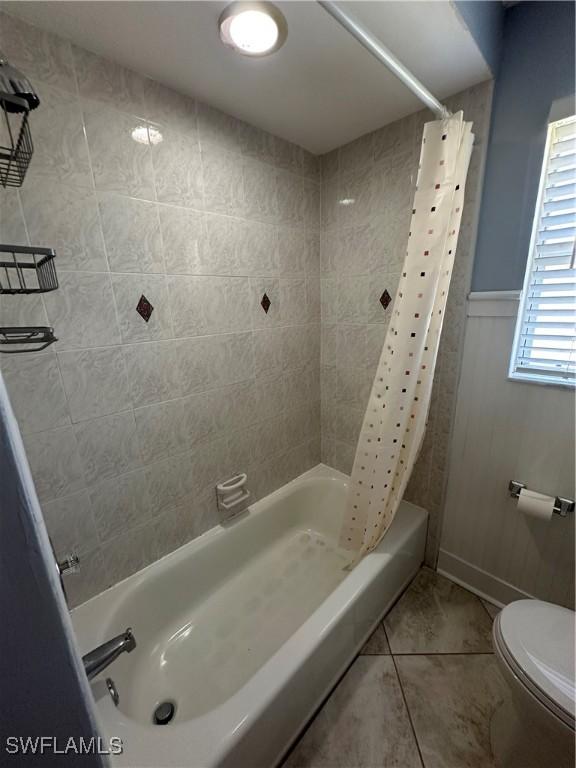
(301, 370)
(445, 653)
(403, 694)
(407, 710)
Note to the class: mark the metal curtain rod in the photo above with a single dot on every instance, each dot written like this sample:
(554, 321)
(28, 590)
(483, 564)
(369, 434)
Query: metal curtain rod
(385, 56)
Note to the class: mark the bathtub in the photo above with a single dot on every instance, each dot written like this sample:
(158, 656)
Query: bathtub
(245, 629)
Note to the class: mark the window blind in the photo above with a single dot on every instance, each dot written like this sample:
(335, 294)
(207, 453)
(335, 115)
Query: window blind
(545, 342)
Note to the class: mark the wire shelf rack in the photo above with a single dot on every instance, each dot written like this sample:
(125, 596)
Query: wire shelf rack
(25, 269)
(16, 147)
(28, 339)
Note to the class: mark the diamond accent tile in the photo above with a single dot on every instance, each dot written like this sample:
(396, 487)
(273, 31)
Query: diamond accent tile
(144, 308)
(385, 299)
(265, 303)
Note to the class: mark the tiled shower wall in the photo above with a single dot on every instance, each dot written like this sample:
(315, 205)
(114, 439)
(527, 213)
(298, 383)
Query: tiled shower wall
(367, 190)
(129, 424)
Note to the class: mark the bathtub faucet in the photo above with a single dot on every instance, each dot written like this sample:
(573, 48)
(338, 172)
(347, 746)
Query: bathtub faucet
(105, 654)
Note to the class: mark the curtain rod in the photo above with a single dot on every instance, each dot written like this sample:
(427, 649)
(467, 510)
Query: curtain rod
(385, 56)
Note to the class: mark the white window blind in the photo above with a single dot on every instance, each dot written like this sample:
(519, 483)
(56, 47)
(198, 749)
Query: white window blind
(545, 341)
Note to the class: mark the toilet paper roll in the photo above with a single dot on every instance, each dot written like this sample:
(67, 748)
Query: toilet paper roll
(536, 505)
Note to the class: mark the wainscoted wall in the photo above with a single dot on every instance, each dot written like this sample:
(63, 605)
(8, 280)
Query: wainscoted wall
(367, 188)
(507, 430)
(128, 424)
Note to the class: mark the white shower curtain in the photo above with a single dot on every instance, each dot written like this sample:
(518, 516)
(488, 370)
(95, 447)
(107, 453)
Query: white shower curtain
(395, 418)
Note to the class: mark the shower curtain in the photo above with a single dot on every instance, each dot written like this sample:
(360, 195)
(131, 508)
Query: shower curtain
(395, 419)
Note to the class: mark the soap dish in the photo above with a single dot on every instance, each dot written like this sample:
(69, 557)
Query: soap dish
(232, 496)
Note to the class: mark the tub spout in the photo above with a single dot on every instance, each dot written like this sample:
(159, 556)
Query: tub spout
(105, 654)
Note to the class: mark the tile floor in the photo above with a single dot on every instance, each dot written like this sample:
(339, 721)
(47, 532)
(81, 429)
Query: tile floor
(421, 692)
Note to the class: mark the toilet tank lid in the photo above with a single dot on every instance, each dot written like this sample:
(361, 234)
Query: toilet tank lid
(540, 637)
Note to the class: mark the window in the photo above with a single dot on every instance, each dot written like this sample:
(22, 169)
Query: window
(545, 342)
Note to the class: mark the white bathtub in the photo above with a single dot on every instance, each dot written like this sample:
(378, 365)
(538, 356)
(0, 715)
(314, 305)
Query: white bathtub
(246, 628)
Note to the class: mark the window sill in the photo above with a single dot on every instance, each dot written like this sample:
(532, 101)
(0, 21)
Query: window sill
(542, 381)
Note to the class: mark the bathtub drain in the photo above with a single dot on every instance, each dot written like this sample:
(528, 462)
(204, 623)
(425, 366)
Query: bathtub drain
(164, 713)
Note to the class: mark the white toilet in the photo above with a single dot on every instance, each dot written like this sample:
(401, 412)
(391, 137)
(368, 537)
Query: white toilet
(534, 727)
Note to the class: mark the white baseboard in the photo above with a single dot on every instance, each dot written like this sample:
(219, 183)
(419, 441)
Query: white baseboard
(480, 582)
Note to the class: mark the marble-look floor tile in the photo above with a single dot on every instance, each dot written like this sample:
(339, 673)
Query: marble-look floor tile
(451, 700)
(435, 615)
(363, 724)
(377, 643)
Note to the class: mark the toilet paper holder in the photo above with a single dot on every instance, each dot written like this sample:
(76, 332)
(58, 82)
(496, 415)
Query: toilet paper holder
(562, 506)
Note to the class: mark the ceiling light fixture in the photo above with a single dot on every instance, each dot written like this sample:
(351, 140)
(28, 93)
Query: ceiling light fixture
(253, 28)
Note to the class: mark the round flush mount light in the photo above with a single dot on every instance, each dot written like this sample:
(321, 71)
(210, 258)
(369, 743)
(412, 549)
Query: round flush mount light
(253, 28)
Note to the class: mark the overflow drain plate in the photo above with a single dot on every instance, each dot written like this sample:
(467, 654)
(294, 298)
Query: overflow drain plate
(164, 713)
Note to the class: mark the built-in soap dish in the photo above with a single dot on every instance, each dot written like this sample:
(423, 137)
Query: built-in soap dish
(232, 496)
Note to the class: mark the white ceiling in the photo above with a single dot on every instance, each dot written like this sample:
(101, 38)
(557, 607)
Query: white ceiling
(321, 90)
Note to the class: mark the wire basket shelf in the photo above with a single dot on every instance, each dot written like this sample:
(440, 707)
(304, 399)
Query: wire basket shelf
(25, 269)
(28, 339)
(16, 147)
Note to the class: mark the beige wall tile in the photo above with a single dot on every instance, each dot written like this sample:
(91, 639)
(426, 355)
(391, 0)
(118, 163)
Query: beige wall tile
(105, 81)
(66, 217)
(183, 236)
(39, 54)
(177, 169)
(36, 391)
(108, 446)
(170, 108)
(12, 224)
(54, 462)
(218, 129)
(71, 525)
(128, 290)
(95, 382)
(127, 423)
(119, 162)
(60, 148)
(120, 504)
(82, 311)
(261, 196)
(223, 181)
(202, 305)
(131, 230)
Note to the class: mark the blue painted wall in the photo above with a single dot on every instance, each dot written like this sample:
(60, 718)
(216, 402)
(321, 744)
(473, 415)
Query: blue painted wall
(485, 21)
(537, 68)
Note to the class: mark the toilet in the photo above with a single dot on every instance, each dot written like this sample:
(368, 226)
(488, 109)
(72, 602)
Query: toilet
(534, 726)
